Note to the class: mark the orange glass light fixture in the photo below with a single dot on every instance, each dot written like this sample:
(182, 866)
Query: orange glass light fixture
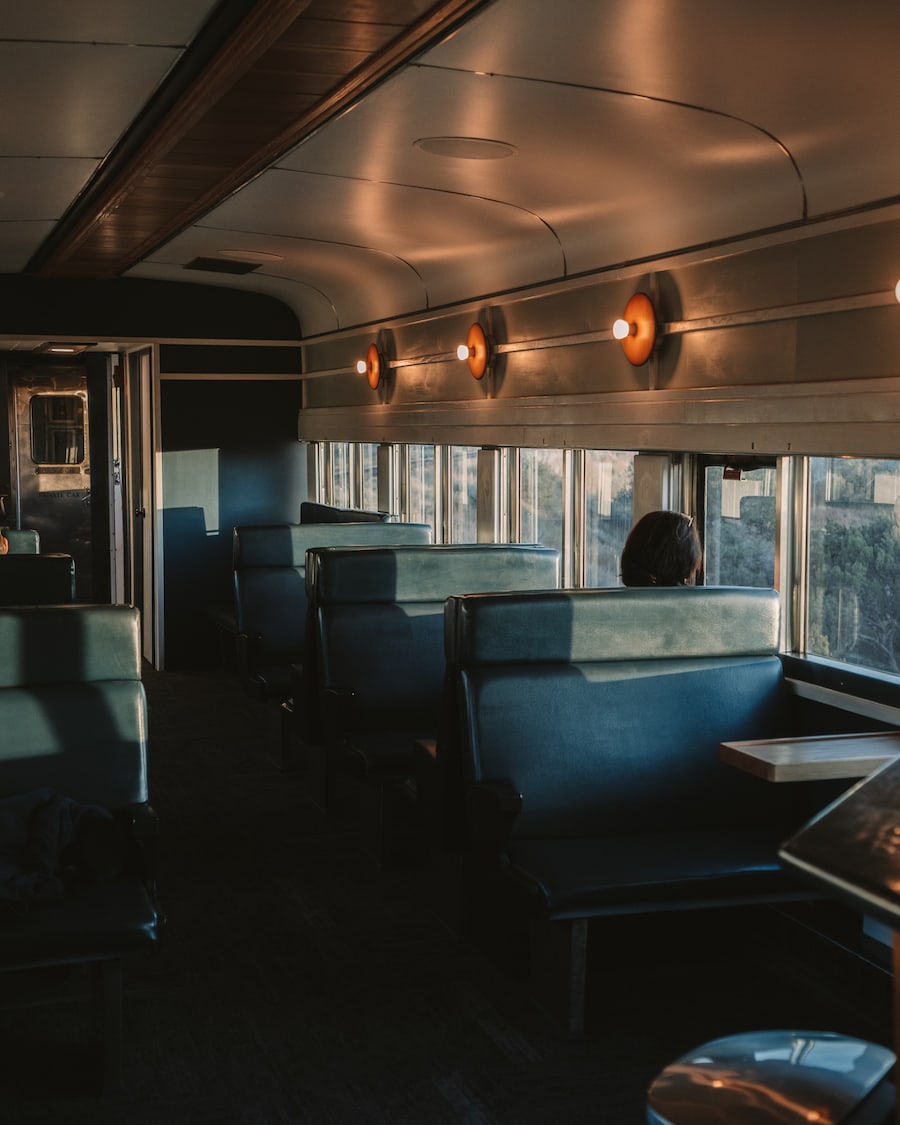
(372, 366)
(476, 351)
(636, 329)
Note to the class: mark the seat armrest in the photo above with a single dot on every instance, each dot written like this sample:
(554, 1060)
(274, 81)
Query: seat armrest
(492, 808)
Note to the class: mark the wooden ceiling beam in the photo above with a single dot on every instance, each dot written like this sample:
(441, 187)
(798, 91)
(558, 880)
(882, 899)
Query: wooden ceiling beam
(301, 71)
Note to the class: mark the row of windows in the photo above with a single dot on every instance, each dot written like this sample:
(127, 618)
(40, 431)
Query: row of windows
(846, 543)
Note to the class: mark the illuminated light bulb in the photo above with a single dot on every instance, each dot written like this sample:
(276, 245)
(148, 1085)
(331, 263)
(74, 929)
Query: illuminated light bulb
(464, 351)
(622, 329)
(361, 366)
(897, 290)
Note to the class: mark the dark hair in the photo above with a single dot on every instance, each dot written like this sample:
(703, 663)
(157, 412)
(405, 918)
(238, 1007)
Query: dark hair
(662, 549)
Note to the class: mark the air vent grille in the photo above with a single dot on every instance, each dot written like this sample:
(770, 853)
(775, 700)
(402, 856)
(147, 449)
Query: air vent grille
(221, 265)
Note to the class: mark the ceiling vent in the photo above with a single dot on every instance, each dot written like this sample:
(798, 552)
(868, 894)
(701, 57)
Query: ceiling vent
(221, 265)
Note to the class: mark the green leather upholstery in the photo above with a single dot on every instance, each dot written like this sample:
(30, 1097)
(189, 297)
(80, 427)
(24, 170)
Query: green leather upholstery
(618, 624)
(378, 618)
(73, 717)
(588, 738)
(270, 592)
(36, 579)
(72, 706)
(22, 541)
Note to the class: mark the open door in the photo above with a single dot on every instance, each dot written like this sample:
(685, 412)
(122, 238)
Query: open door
(141, 523)
(51, 462)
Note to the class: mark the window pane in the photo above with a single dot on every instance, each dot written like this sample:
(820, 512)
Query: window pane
(854, 562)
(420, 475)
(739, 536)
(340, 474)
(609, 507)
(464, 494)
(541, 497)
(368, 456)
(57, 429)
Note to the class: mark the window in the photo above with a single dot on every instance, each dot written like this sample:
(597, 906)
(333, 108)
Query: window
(541, 497)
(340, 474)
(739, 526)
(609, 507)
(420, 477)
(463, 494)
(853, 611)
(368, 472)
(57, 429)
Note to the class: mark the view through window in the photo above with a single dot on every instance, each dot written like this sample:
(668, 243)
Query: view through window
(854, 562)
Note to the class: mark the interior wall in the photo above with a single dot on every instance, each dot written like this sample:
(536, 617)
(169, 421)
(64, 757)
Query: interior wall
(230, 456)
(790, 347)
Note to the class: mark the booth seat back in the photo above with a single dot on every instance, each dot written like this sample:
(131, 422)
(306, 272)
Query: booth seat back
(22, 541)
(36, 579)
(378, 618)
(286, 544)
(73, 714)
(311, 512)
(270, 590)
(605, 708)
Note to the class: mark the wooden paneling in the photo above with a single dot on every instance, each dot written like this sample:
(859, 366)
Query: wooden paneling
(287, 68)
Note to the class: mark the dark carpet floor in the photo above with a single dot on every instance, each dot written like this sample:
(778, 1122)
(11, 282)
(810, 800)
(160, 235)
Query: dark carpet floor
(301, 985)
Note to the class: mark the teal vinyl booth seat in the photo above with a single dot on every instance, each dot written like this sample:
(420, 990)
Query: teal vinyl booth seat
(22, 540)
(73, 730)
(270, 593)
(588, 728)
(378, 664)
(29, 579)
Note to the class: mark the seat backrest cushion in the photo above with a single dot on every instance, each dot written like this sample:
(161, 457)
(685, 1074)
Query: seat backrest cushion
(410, 574)
(36, 579)
(22, 541)
(270, 606)
(605, 709)
(286, 544)
(379, 618)
(73, 713)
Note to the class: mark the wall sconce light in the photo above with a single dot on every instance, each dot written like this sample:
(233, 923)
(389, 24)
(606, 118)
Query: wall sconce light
(636, 329)
(476, 351)
(372, 366)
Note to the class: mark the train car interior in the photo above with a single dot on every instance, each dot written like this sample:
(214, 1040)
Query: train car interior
(392, 276)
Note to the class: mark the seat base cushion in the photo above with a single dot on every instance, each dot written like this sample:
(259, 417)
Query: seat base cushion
(576, 878)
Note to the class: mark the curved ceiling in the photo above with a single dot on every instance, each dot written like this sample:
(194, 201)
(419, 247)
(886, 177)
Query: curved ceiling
(283, 135)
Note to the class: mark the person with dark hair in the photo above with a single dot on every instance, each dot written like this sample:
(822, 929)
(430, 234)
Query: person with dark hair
(662, 549)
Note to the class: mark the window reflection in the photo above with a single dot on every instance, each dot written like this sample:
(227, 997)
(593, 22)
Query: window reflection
(57, 429)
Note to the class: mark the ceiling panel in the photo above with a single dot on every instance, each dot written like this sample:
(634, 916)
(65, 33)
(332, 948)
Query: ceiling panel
(455, 243)
(637, 127)
(585, 162)
(74, 99)
(167, 22)
(820, 76)
(18, 241)
(329, 286)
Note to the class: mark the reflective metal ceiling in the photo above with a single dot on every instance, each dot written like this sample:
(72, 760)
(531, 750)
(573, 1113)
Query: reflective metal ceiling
(284, 134)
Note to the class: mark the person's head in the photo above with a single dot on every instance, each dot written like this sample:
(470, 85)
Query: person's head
(662, 549)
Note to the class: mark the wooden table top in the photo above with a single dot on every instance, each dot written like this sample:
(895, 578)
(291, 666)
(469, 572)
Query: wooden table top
(815, 758)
